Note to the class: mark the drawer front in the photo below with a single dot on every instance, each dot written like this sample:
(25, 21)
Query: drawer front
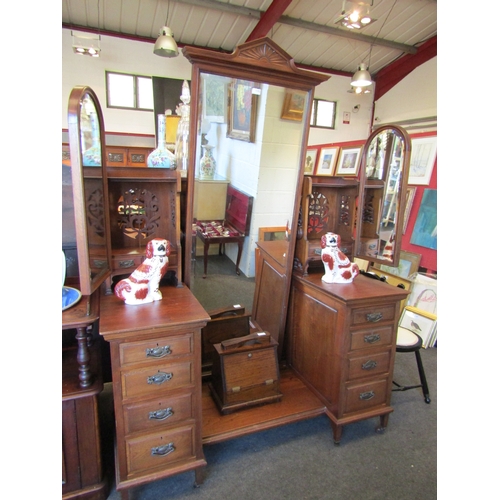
(369, 365)
(157, 413)
(164, 348)
(372, 315)
(157, 379)
(375, 337)
(160, 449)
(366, 396)
(127, 263)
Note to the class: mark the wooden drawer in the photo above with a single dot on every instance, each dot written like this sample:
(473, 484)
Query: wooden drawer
(365, 396)
(159, 450)
(127, 263)
(155, 380)
(375, 337)
(368, 365)
(138, 157)
(373, 314)
(116, 157)
(164, 348)
(157, 413)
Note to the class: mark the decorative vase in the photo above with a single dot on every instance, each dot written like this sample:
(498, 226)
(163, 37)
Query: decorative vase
(207, 163)
(161, 157)
(92, 156)
(182, 139)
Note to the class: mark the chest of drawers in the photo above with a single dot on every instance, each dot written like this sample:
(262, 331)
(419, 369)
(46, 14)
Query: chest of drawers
(156, 365)
(342, 344)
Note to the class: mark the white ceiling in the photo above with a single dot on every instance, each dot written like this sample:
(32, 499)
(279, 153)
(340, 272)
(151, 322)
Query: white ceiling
(305, 29)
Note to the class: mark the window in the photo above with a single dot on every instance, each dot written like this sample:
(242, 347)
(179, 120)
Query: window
(323, 113)
(129, 91)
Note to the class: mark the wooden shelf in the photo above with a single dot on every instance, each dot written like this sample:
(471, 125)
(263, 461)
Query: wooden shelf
(298, 403)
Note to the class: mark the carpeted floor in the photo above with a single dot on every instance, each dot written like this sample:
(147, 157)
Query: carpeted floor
(299, 461)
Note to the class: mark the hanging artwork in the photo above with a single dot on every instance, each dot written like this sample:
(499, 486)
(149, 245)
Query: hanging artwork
(242, 110)
(425, 229)
(422, 159)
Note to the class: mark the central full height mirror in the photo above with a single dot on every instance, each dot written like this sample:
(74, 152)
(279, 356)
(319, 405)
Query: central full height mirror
(250, 110)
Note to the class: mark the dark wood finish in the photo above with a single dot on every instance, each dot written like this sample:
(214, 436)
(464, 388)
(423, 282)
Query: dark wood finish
(245, 372)
(156, 364)
(117, 156)
(270, 302)
(82, 468)
(157, 194)
(328, 204)
(342, 340)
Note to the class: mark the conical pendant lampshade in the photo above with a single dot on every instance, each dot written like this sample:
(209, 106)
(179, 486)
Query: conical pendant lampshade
(362, 77)
(165, 45)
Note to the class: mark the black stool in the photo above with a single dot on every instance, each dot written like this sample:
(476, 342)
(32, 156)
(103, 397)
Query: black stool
(407, 341)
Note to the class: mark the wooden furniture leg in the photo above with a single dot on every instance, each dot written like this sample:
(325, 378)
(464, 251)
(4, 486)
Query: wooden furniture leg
(83, 358)
(240, 250)
(205, 258)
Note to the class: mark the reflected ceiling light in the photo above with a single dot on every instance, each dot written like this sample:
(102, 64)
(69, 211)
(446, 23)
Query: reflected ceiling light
(362, 77)
(355, 14)
(86, 44)
(165, 45)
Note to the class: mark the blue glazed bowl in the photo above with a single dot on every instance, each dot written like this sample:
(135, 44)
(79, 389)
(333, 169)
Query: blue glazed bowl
(70, 297)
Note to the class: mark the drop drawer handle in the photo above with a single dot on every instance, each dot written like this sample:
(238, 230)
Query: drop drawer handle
(372, 338)
(163, 450)
(161, 414)
(125, 263)
(158, 352)
(159, 378)
(369, 365)
(374, 317)
(365, 396)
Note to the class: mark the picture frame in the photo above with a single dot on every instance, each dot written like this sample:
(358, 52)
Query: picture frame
(348, 165)
(242, 110)
(422, 160)
(394, 281)
(424, 232)
(409, 263)
(410, 196)
(293, 105)
(310, 164)
(327, 161)
(422, 323)
(272, 233)
(214, 98)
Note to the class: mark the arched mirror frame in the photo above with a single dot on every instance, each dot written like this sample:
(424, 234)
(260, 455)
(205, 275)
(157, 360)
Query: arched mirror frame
(260, 61)
(369, 183)
(94, 267)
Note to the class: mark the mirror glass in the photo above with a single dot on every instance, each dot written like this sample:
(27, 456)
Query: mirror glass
(90, 189)
(385, 163)
(254, 151)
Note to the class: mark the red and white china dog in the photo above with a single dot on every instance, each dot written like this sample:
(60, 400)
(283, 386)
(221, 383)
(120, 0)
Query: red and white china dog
(338, 268)
(143, 285)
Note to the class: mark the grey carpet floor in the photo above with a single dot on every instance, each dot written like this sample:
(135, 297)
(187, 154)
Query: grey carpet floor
(300, 462)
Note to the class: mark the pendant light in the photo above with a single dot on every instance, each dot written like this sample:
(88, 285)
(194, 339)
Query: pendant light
(165, 45)
(362, 77)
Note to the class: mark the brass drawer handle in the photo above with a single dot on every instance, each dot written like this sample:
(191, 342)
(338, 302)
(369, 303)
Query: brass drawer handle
(101, 264)
(159, 378)
(126, 263)
(366, 396)
(161, 414)
(369, 365)
(374, 317)
(158, 352)
(163, 450)
(372, 338)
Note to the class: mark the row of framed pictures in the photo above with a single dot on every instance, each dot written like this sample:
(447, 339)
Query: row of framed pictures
(333, 161)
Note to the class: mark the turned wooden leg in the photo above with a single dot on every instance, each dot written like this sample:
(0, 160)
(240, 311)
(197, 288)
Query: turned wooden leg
(199, 476)
(83, 358)
(384, 420)
(337, 432)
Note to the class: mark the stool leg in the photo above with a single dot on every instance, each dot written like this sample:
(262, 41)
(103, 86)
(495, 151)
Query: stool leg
(205, 259)
(423, 380)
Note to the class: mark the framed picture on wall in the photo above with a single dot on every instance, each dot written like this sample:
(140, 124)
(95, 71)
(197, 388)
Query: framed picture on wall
(422, 159)
(293, 105)
(242, 110)
(214, 98)
(348, 165)
(311, 155)
(425, 229)
(327, 161)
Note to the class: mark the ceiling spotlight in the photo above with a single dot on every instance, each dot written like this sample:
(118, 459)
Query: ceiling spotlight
(87, 44)
(355, 14)
(165, 45)
(362, 77)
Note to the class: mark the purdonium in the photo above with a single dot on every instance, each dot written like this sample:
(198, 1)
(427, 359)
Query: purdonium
(245, 372)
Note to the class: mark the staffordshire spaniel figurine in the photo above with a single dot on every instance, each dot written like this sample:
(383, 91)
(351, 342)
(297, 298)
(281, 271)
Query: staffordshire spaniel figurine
(338, 268)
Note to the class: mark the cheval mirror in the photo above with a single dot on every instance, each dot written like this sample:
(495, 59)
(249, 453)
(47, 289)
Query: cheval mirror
(90, 188)
(383, 183)
(263, 155)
